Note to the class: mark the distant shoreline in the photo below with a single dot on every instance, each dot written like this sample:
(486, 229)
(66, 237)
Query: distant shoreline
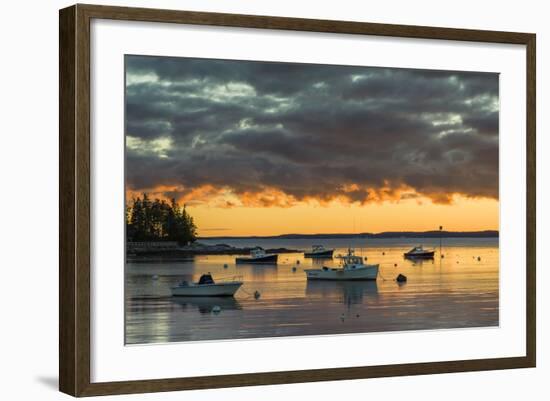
(144, 253)
(386, 234)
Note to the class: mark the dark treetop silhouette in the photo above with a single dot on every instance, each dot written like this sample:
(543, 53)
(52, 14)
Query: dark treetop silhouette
(158, 220)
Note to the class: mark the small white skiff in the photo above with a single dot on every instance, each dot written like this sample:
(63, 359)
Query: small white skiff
(206, 287)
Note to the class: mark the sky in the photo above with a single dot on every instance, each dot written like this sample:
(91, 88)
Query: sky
(264, 148)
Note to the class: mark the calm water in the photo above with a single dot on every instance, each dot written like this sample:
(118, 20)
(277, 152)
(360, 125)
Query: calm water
(454, 292)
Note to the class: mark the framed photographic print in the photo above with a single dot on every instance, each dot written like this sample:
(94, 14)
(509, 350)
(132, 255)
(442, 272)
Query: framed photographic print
(250, 200)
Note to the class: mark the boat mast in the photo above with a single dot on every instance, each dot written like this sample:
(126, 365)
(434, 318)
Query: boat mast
(440, 235)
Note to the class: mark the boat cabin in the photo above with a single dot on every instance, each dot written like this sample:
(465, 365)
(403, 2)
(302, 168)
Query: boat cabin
(257, 252)
(418, 249)
(352, 261)
(206, 279)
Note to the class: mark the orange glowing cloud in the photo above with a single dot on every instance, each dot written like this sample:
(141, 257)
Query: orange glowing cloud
(266, 197)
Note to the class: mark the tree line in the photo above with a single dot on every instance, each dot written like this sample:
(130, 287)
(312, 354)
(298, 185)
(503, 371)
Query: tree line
(158, 220)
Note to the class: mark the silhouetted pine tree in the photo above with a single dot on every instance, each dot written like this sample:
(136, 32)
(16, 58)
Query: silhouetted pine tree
(157, 220)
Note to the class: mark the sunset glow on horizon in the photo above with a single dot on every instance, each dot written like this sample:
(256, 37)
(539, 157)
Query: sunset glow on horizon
(464, 215)
(337, 216)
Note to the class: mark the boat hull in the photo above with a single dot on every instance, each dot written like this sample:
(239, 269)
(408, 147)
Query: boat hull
(258, 260)
(207, 290)
(423, 255)
(325, 254)
(368, 273)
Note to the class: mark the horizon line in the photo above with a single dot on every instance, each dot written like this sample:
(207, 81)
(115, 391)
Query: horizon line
(352, 234)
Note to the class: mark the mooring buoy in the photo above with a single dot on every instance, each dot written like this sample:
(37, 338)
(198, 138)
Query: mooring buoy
(401, 278)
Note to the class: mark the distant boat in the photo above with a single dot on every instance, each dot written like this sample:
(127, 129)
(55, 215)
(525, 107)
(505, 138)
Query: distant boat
(352, 268)
(258, 255)
(418, 252)
(207, 287)
(319, 251)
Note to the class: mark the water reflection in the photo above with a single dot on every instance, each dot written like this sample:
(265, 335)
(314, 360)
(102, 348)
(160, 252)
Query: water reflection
(419, 261)
(347, 292)
(318, 262)
(257, 272)
(460, 290)
(206, 304)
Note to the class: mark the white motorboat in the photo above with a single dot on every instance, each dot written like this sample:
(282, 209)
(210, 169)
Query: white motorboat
(258, 255)
(352, 268)
(207, 287)
(319, 251)
(418, 252)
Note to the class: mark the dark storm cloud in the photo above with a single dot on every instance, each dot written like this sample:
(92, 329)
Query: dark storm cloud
(310, 130)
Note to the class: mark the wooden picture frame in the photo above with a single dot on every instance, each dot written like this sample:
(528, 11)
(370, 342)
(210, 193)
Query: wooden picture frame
(74, 203)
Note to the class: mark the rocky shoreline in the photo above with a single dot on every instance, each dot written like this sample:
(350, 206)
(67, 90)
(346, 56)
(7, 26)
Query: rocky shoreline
(183, 253)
